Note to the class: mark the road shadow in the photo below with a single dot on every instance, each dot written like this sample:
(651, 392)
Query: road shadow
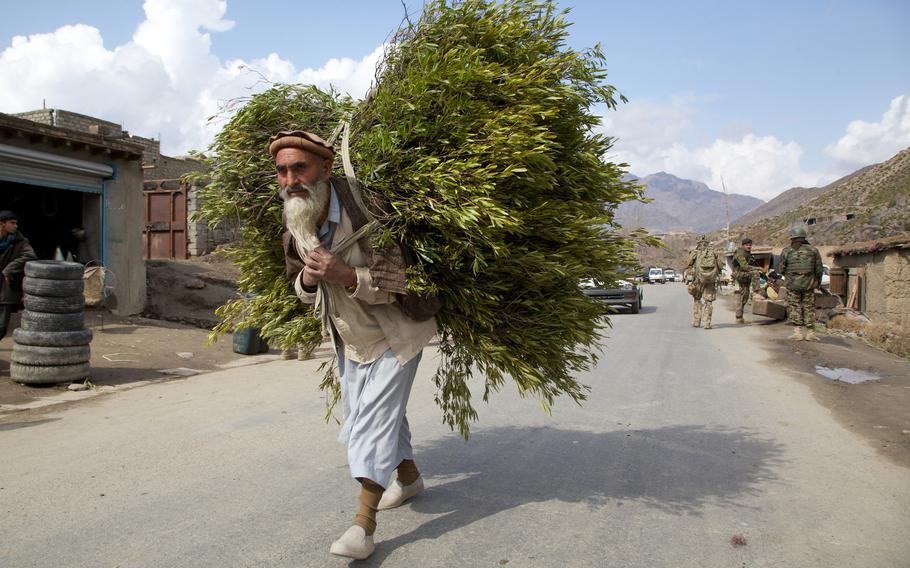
(676, 469)
(25, 424)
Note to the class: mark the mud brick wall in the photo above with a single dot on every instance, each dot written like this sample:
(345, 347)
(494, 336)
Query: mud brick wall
(886, 292)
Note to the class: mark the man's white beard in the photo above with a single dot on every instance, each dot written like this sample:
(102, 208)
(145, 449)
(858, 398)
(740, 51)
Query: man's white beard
(302, 213)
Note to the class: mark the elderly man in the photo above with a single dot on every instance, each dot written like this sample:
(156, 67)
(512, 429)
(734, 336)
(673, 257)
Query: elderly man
(14, 253)
(745, 272)
(358, 293)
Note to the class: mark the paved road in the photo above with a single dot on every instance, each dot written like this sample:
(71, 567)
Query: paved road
(689, 439)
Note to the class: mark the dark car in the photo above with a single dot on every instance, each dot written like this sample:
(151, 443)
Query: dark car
(626, 293)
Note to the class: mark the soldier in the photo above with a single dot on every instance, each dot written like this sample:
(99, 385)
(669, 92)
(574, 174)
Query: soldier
(745, 272)
(702, 271)
(801, 265)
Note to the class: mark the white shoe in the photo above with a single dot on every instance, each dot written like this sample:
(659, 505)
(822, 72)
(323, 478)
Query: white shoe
(397, 494)
(354, 543)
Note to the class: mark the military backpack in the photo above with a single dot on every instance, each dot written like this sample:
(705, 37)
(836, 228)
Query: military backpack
(706, 266)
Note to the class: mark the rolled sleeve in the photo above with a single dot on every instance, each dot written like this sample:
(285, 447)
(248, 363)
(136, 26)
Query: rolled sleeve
(368, 293)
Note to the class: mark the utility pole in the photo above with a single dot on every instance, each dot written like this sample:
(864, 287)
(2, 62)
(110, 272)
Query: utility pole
(726, 212)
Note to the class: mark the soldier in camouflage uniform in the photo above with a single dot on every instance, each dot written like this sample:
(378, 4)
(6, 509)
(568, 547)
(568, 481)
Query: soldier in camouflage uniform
(745, 272)
(702, 271)
(801, 265)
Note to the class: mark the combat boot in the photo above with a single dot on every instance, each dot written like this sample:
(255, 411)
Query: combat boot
(810, 335)
(739, 319)
(797, 334)
(696, 315)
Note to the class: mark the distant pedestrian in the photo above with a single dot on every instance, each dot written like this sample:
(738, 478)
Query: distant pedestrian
(801, 265)
(702, 272)
(745, 272)
(14, 253)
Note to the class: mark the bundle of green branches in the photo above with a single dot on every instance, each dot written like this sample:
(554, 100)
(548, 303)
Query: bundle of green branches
(482, 134)
(239, 188)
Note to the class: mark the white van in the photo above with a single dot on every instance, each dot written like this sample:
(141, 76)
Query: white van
(656, 275)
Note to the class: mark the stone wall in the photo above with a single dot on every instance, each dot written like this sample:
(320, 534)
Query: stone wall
(202, 239)
(886, 292)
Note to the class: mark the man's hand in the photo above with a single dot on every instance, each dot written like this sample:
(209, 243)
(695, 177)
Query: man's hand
(320, 264)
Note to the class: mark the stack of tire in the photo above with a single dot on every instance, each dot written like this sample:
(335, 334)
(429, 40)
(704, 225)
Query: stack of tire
(51, 344)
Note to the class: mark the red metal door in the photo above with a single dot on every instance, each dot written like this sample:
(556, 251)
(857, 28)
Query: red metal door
(164, 235)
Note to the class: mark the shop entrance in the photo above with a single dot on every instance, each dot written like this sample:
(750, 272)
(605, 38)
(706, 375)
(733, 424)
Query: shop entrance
(49, 219)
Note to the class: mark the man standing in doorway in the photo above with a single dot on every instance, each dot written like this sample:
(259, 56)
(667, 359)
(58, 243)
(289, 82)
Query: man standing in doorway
(14, 253)
(358, 293)
(801, 265)
(745, 272)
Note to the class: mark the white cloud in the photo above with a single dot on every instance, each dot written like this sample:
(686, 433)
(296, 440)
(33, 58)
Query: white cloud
(644, 127)
(164, 81)
(870, 142)
(649, 140)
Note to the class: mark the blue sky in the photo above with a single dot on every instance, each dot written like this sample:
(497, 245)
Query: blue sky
(766, 94)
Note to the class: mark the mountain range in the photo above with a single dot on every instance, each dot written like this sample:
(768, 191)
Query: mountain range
(682, 205)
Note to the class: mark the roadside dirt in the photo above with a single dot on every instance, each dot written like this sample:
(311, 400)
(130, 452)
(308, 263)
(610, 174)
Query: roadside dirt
(171, 334)
(878, 410)
(189, 291)
(126, 350)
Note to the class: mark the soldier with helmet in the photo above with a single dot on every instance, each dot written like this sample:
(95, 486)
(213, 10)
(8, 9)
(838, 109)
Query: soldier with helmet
(745, 272)
(702, 272)
(801, 265)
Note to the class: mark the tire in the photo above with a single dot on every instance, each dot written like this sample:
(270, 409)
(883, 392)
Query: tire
(50, 305)
(50, 356)
(52, 338)
(52, 288)
(54, 270)
(48, 374)
(636, 307)
(41, 321)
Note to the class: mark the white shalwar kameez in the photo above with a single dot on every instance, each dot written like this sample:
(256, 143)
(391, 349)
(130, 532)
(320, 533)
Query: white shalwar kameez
(378, 350)
(375, 399)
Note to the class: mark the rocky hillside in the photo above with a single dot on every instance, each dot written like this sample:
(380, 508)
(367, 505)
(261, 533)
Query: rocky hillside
(790, 200)
(682, 205)
(871, 203)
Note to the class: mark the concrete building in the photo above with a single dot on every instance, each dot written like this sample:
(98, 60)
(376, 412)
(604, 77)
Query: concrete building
(168, 232)
(58, 174)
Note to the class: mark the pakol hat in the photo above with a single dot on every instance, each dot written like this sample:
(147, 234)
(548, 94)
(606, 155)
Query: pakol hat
(747, 241)
(303, 140)
(7, 215)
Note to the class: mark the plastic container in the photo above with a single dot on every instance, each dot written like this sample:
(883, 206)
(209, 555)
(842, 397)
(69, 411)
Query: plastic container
(249, 342)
